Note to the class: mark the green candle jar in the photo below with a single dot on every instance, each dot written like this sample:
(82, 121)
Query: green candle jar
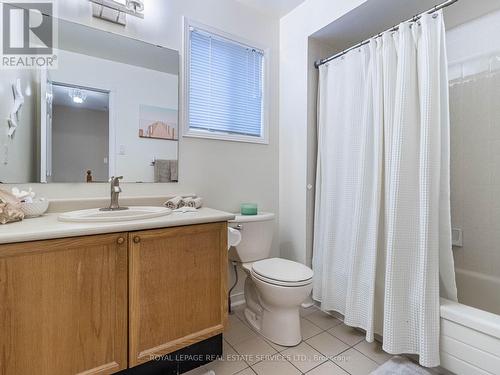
(248, 208)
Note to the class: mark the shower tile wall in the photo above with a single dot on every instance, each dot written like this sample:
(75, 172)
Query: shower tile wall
(475, 171)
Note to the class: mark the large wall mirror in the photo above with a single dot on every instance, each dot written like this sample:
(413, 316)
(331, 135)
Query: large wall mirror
(109, 108)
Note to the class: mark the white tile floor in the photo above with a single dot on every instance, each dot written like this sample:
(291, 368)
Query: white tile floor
(329, 348)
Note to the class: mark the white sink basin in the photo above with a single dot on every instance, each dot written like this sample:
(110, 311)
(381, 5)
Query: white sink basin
(95, 215)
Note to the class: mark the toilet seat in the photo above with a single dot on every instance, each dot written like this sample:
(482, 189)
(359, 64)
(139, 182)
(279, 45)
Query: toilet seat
(281, 283)
(282, 272)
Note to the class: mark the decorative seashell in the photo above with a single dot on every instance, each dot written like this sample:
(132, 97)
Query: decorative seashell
(8, 197)
(10, 210)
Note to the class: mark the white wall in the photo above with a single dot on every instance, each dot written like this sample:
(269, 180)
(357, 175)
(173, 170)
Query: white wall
(17, 155)
(80, 142)
(129, 87)
(474, 38)
(474, 54)
(224, 173)
(295, 100)
(316, 48)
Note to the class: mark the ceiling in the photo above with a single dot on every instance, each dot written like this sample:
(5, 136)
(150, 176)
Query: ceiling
(96, 100)
(273, 7)
(375, 16)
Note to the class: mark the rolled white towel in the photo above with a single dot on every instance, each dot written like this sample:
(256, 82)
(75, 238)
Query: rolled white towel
(195, 202)
(174, 203)
(186, 202)
(199, 202)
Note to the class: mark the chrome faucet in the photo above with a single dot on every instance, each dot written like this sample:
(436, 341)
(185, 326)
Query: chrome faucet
(115, 192)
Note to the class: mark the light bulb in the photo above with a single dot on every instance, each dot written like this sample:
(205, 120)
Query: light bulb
(78, 96)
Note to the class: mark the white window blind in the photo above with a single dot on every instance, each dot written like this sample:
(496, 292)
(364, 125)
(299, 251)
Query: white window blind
(225, 85)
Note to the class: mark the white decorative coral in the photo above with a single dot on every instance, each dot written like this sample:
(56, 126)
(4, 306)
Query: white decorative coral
(18, 103)
(22, 195)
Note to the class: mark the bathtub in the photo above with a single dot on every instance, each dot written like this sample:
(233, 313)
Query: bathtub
(470, 339)
(478, 290)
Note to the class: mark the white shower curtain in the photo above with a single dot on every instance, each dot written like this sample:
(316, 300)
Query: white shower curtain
(382, 221)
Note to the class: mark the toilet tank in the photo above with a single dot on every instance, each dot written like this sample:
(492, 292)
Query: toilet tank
(256, 237)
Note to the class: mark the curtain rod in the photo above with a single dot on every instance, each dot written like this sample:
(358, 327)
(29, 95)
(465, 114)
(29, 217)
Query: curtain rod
(318, 63)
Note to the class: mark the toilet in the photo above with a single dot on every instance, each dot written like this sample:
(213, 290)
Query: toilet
(275, 288)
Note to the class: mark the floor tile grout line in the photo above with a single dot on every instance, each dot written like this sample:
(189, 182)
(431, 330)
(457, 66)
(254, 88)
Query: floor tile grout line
(241, 354)
(326, 331)
(364, 355)
(280, 351)
(310, 321)
(317, 334)
(331, 359)
(237, 372)
(343, 369)
(304, 341)
(300, 369)
(321, 364)
(326, 360)
(358, 352)
(339, 353)
(338, 364)
(338, 338)
(246, 368)
(295, 367)
(232, 347)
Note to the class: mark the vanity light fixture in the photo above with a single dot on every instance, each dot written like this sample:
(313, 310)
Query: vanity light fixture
(116, 10)
(78, 96)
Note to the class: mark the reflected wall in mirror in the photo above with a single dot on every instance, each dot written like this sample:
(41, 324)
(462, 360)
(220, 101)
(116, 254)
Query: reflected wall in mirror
(80, 122)
(109, 108)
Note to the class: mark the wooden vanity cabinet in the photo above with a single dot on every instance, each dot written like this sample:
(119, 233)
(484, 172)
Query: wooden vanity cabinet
(177, 288)
(63, 306)
(99, 304)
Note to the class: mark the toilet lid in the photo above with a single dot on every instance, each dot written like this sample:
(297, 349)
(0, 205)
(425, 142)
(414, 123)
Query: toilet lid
(282, 270)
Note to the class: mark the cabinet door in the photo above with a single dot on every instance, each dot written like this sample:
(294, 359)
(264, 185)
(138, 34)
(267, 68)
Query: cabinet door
(63, 306)
(177, 288)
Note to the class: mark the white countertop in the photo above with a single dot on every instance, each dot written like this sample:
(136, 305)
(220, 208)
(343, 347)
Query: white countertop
(49, 227)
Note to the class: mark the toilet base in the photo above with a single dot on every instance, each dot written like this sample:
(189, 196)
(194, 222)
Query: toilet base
(280, 325)
(268, 327)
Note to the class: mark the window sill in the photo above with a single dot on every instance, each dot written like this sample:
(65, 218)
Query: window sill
(226, 137)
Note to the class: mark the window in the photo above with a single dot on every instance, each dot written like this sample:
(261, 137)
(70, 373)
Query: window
(224, 87)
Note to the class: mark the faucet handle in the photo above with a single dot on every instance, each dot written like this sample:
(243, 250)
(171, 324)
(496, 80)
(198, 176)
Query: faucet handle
(115, 179)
